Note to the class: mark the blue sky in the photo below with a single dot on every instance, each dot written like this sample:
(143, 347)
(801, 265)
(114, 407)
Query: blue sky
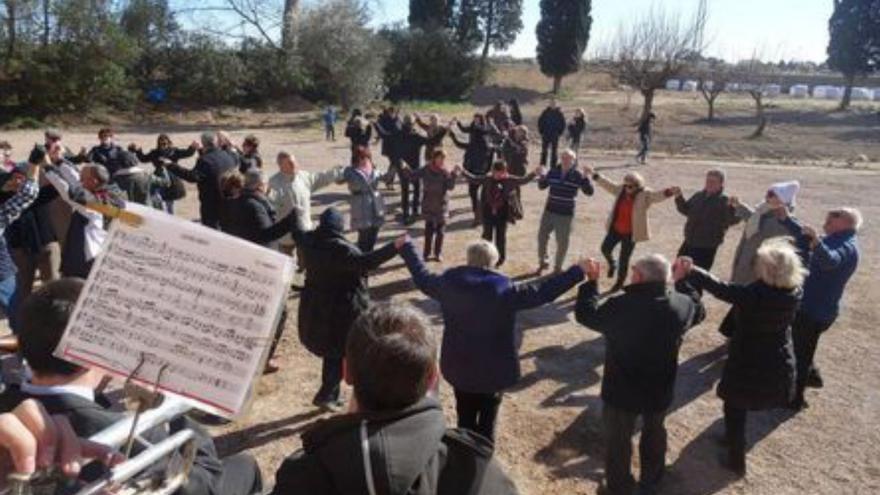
(777, 29)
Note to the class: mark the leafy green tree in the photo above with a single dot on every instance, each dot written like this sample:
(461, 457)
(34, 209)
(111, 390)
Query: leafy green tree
(428, 14)
(563, 33)
(854, 48)
(500, 22)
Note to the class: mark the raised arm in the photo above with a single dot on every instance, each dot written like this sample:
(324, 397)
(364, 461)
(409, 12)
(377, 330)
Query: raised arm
(326, 178)
(182, 153)
(587, 310)
(521, 181)
(427, 282)
(189, 175)
(607, 184)
(683, 205)
(461, 144)
(659, 196)
(527, 296)
(725, 291)
(372, 260)
(13, 207)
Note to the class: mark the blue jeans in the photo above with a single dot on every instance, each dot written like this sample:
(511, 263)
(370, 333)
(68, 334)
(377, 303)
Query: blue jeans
(9, 301)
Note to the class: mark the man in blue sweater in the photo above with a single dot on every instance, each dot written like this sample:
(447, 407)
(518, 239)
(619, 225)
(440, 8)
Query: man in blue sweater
(480, 351)
(564, 182)
(832, 260)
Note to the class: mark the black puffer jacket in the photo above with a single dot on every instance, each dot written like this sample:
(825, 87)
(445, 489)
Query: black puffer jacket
(760, 369)
(335, 292)
(252, 218)
(551, 123)
(410, 453)
(477, 152)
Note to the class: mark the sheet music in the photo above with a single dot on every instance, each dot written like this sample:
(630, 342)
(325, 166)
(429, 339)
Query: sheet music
(203, 303)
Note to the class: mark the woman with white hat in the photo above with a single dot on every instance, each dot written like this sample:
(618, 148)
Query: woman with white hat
(762, 223)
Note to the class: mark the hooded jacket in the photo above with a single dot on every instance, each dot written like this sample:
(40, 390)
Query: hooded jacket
(406, 452)
(335, 291)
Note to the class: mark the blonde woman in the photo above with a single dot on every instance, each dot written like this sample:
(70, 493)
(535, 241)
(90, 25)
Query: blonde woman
(628, 221)
(760, 370)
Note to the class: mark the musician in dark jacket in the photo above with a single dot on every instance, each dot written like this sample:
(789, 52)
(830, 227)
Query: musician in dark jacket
(211, 165)
(760, 370)
(480, 351)
(67, 389)
(394, 440)
(551, 126)
(709, 215)
(335, 294)
(643, 329)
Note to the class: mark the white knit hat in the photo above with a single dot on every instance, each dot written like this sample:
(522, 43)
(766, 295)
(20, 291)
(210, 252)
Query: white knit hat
(786, 191)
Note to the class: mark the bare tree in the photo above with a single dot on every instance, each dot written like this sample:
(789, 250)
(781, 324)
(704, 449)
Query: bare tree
(712, 81)
(756, 77)
(656, 47)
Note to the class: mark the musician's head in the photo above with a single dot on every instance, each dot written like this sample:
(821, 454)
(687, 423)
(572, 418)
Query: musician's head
(44, 316)
(390, 358)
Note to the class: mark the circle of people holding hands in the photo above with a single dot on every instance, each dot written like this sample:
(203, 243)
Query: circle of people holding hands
(784, 293)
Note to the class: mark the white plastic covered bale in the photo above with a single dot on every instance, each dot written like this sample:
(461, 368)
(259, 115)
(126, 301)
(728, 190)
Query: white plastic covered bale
(673, 84)
(731, 87)
(690, 86)
(772, 90)
(862, 94)
(822, 92)
(876, 94)
(834, 93)
(799, 91)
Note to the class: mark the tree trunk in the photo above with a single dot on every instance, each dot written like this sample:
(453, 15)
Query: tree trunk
(11, 19)
(847, 91)
(487, 42)
(46, 22)
(759, 113)
(288, 28)
(648, 95)
(557, 84)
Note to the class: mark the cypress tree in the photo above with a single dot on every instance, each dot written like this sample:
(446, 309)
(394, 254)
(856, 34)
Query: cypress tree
(563, 33)
(428, 14)
(854, 48)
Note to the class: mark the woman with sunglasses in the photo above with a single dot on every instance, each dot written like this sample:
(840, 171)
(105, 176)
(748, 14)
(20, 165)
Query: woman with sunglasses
(628, 221)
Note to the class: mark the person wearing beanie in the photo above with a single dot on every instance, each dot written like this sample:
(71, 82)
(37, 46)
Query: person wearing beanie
(334, 296)
(761, 224)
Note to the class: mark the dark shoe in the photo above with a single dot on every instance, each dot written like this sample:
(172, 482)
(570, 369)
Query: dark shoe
(542, 267)
(617, 287)
(798, 404)
(272, 366)
(814, 379)
(331, 405)
(734, 462)
(438, 259)
(612, 269)
(500, 263)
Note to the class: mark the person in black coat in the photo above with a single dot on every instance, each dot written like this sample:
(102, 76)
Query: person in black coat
(211, 165)
(551, 126)
(411, 144)
(395, 439)
(576, 129)
(122, 166)
(760, 369)
(515, 113)
(477, 156)
(335, 294)
(165, 152)
(33, 244)
(67, 389)
(643, 329)
(359, 131)
(247, 214)
(389, 128)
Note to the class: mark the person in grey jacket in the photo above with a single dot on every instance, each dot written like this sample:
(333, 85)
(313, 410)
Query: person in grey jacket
(762, 223)
(367, 205)
(709, 215)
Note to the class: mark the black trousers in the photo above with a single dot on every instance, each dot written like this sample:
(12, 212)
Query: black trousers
(279, 331)
(549, 146)
(477, 412)
(646, 147)
(410, 195)
(474, 193)
(627, 246)
(209, 216)
(805, 333)
(495, 230)
(735, 433)
(619, 429)
(435, 232)
(240, 476)
(367, 239)
(703, 257)
(331, 377)
(394, 166)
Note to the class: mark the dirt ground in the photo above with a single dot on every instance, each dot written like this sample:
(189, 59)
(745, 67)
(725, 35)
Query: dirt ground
(549, 430)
